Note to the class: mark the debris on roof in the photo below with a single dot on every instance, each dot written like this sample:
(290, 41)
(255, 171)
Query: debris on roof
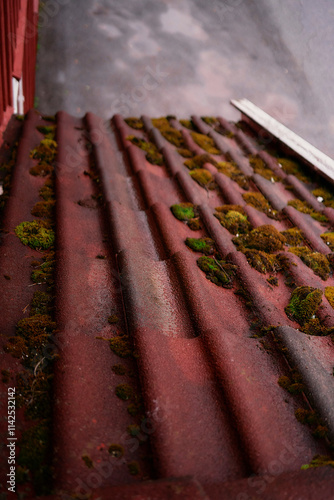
(167, 315)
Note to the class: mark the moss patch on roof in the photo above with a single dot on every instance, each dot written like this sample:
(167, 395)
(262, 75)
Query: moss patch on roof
(170, 133)
(199, 161)
(305, 208)
(258, 201)
(35, 234)
(152, 154)
(201, 176)
(304, 304)
(294, 168)
(205, 142)
(231, 170)
(265, 238)
(233, 218)
(314, 260)
(219, 272)
(135, 123)
(262, 169)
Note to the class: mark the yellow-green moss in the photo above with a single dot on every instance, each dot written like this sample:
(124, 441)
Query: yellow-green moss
(186, 153)
(262, 169)
(293, 236)
(170, 133)
(203, 245)
(42, 169)
(49, 131)
(326, 195)
(88, 461)
(265, 238)
(319, 461)
(116, 450)
(183, 211)
(113, 319)
(233, 218)
(314, 260)
(305, 208)
(210, 120)
(47, 191)
(258, 201)
(201, 176)
(273, 280)
(45, 151)
(205, 143)
(328, 239)
(304, 304)
(40, 304)
(135, 123)
(35, 234)
(134, 468)
(314, 327)
(152, 154)
(133, 430)
(218, 271)
(43, 209)
(44, 273)
(198, 161)
(292, 384)
(188, 124)
(261, 261)
(124, 392)
(329, 294)
(293, 168)
(121, 346)
(231, 170)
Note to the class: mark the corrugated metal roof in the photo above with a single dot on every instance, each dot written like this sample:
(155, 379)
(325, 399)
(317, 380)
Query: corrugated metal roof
(177, 367)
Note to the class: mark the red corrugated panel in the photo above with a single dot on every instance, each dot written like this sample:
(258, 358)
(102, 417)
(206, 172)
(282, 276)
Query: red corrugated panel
(166, 384)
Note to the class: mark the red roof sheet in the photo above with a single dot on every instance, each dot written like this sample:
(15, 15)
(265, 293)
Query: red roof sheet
(177, 394)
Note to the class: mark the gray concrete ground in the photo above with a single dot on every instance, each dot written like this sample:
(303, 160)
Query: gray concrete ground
(190, 56)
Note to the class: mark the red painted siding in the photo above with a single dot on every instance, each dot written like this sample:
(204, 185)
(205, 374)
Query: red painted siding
(18, 41)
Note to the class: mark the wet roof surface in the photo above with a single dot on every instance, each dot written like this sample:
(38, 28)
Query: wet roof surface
(191, 287)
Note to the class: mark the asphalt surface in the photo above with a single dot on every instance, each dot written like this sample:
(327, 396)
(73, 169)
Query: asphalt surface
(187, 57)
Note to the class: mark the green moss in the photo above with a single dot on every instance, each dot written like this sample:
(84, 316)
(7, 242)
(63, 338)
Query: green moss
(49, 131)
(40, 303)
(135, 123)
(261, 261)
(186, 153)
(36, 330)
(44, 274)
(88, 461)
(116, 450)
(124, 392)
(113, 319)
(265, 238)
(293, 168)
(121, 346)
(43, 209)
(205, 143)
(217, 271)
(305, 208)
(201, 176)
(319, 461)
(293, 236)
(33, 456)
(258, 201)
(49, 118)
(133, 430)
(328, 239)
(183, 211)
(233, 218)
(329, 294)
(326, 195)
(134, 468)
(304, 303)
(203, 245)
(262, 169)
(314, 327)
(188, 124)
(42, 169)
(170, 133)
(199, 161)
(210, 120)
(314, 260)
(47, 191)
(45, 151)
(119, 369)
(231, 170)
(35, 234)
(152, 154)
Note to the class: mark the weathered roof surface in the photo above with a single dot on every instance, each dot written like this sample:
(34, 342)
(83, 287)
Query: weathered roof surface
(160, 378)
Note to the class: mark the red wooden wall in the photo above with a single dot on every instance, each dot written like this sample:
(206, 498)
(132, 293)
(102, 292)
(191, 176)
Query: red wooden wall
(18, 42)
